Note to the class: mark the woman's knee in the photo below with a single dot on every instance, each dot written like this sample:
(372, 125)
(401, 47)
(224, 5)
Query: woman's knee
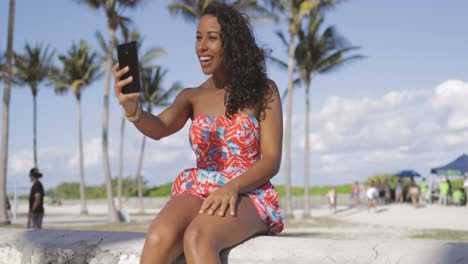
(162, 237)
(197, 238)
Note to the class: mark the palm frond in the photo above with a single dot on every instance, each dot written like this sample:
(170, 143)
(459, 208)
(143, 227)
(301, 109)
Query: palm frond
(282, 37)
(151, 54)
(279, 63)
(336, 65)
(296, 84)
(187, 12)
(80, 68)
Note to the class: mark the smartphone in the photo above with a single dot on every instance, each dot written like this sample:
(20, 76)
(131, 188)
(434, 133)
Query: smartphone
(127, 54)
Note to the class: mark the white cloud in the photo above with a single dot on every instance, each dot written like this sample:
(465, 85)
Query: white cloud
(92, 154)
(408, 128)
(451, 100)
(20, 162)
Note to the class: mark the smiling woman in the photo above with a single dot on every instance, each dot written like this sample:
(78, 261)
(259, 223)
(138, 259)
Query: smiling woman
(236, 134)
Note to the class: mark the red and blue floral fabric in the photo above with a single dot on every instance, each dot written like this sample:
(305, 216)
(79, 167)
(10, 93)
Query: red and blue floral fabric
(225, 149)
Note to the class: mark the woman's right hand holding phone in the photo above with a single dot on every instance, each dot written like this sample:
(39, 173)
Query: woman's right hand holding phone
(127, 101)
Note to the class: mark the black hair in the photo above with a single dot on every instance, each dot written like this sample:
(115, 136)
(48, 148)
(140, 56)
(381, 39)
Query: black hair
(247, 82)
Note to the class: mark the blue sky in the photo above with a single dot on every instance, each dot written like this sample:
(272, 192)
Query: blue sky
(403, 106)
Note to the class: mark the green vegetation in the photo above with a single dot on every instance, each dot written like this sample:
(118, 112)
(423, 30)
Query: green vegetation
(159, 191)
(322, 190)
(71, 190)
(442, 234)
(129, 189)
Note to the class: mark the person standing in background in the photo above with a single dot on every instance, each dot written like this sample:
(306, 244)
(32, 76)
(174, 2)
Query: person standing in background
(424, 197)
(372, 197)
(392, 185)
(331, 197)
(465, 185)
(443, 191)
(355, 194)
(36, 200)
(413, 193)
(399, 192)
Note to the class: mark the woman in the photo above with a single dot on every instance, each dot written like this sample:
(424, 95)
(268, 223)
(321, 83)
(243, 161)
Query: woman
(228, 197)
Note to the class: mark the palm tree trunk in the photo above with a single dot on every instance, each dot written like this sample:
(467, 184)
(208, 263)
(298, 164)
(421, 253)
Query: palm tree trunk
(112, 213)
(307, 153)
(139, 177)
(84, 209)
(35, 127)
(119, 180)
(140, 165)
(5, 122)
(288, 207)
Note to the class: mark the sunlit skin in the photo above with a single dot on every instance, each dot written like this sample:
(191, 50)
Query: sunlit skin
(202, 228)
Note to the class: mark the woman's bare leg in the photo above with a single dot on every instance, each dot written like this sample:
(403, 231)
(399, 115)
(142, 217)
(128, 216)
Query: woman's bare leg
(164, 238)
(208, 234)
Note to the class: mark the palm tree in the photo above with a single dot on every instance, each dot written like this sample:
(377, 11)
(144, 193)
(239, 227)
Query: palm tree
(145, 62)
(80, 69)
(33, 68)
(318, 53)
(152, 95)
(6, 115)
(112, 9)
(293, 11)
(192, 10)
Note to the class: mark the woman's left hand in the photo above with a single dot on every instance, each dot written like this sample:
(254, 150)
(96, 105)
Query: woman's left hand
(220, 200)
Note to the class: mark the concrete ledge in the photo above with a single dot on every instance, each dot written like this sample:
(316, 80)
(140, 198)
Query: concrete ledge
(19, 246)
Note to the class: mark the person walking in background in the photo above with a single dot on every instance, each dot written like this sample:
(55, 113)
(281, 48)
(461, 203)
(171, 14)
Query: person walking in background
(36, 200)
(443, 191)
(413, 193)
(399, 192)
(331, 198)
(372, 196)
(355, 194)
(8, 208)
(387, 191)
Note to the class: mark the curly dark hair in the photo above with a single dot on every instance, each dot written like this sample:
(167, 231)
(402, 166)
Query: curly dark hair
(247, 82)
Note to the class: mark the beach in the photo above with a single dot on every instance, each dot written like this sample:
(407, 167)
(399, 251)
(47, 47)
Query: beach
(388, 221)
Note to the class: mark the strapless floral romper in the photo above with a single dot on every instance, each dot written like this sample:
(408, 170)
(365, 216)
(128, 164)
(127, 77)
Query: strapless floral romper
(226, 148)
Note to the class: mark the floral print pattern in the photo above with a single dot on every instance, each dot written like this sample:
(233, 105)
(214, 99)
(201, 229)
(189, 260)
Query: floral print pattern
(226, 148)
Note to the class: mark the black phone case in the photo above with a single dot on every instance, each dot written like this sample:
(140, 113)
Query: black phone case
(127, 54)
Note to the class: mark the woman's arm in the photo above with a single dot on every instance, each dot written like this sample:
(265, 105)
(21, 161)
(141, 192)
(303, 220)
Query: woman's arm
(271, 139)
(171, 120)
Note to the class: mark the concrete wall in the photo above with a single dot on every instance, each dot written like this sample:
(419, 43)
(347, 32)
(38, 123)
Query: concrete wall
(77, 247)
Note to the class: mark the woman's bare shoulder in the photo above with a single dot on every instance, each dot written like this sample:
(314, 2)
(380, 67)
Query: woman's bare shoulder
(272, 86)
(192, 91)
(187, 94)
